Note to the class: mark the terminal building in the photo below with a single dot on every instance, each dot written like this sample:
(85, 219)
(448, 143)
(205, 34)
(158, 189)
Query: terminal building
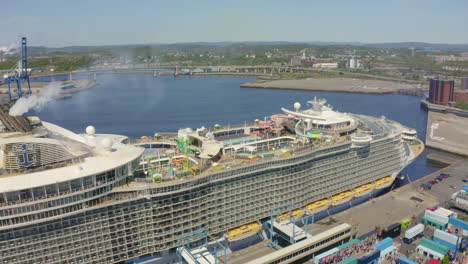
(312, 246)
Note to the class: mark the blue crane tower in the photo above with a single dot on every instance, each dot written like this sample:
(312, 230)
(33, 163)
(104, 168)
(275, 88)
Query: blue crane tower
(20, 75)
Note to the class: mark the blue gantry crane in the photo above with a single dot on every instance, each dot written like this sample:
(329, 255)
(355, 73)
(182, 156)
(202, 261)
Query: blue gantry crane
(19, 75)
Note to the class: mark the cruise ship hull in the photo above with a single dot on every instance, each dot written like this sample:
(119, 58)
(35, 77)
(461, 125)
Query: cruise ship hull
(111, 216)
(318, 215)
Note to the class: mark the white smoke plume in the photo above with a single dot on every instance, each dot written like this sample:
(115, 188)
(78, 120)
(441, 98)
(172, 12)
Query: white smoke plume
(36, 102)
(10, 48)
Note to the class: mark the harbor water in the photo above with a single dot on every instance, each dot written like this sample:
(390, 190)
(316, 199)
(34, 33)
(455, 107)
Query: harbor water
(139, 104)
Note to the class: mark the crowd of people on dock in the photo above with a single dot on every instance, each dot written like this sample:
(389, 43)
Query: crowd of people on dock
(357, 249)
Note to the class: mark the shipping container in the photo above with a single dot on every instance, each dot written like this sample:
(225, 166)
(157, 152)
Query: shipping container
(412, 233)
(445, 212)
(436, 216)
(445, 243)
(460, 225)
(451, 238)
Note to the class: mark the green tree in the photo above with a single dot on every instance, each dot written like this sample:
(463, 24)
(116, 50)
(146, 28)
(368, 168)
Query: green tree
(342, 64)
(445, 260)
(462, 105)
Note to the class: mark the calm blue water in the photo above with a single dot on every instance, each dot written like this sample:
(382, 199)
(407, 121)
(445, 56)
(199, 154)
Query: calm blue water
(137, 105)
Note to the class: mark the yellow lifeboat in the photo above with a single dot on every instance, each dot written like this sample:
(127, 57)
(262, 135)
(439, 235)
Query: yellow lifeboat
(294, 214)
(363, 188)
(317, 205)
(383, 181)
(243, 230)
(342, 196)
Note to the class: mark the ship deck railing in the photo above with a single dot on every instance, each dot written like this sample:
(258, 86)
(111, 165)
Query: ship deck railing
(147, 186)
(163, 136)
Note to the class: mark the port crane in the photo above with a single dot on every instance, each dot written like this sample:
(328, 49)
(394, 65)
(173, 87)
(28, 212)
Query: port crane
(19, 75)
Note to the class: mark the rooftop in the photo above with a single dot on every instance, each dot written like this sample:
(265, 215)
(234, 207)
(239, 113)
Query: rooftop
(61, 156)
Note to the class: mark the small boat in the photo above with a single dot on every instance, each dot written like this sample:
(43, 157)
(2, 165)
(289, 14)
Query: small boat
(318, 206)
(243, 231)
(342, 197)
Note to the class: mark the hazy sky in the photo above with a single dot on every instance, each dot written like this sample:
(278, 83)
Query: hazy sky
(100, 22)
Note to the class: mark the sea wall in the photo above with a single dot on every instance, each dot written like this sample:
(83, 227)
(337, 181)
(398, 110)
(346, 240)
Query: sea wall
(447, 129)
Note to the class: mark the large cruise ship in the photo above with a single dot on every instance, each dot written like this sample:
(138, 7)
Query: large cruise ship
(92, 198)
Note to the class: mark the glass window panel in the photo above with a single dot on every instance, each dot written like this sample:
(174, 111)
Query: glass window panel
(51, 189)
(25, 194)
(88, 182)
(64, 187)
(12, 197)
(100, 179)
(38, 192)
(76, 184)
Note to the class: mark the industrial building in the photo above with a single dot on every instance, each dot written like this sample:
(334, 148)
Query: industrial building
(325, 65)
(441, 91)
(461, 96)
(464, 83)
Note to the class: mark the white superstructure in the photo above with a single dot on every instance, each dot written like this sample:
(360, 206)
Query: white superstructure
(67, 197)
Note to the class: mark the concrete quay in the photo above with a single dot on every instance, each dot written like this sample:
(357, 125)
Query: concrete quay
(447, 128)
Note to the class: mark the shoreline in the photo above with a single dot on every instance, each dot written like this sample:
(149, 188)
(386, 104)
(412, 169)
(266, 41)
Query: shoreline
(347, 85)
(161, 73)
(36, 88)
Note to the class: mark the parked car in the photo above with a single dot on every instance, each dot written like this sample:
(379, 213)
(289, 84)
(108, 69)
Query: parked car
(453, 186)
(439, 178)
(465, 180)
(445, 174)
(431, 182)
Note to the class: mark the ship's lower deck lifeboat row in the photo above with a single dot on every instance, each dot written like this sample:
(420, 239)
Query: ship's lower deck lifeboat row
(250, 229)
(243, 231)
(383, 182)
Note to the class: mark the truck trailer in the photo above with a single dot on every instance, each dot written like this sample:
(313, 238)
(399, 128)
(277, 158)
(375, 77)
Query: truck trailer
(413, 233)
